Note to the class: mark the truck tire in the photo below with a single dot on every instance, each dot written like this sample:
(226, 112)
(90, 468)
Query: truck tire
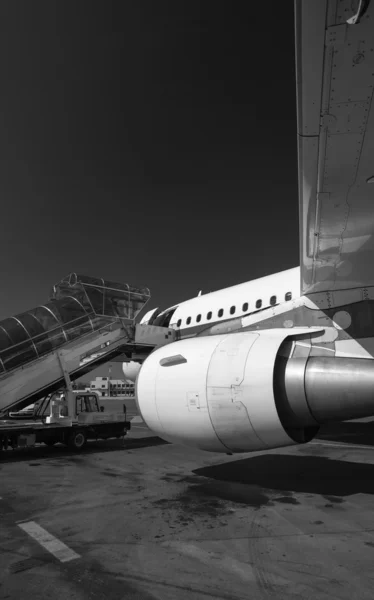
(77, 440)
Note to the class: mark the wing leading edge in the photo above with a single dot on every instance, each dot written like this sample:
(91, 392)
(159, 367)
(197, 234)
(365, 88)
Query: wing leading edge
(334, 78)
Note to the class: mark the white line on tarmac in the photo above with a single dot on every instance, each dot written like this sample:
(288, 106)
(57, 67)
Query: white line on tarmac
(137, 419)
(62, 552)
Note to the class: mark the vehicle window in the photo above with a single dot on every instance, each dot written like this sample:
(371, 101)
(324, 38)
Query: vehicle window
(198, 318)
(288, 296)
(258, 303)
(91, 404)
(273, 300)
(179, 322)
(220, 312)
(188, 320)
(80, 404)
(209, 315)
(245, 307)
(232, 310)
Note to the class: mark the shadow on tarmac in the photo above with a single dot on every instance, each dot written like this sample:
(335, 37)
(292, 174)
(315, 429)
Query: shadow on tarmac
(312, 473)
(41, 452)
(350, 432)
(296, 473)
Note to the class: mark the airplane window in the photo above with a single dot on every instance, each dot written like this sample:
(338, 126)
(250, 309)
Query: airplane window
(245, 307)
(198, 318)
(188, 320)
(209, 315)
(220, 312)
(273, 300)
(232, 310)
(288, 296)
(258, 303)
(179, 322)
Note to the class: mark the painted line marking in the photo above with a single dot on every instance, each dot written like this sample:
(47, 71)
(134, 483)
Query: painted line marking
(62, 552)
(137, 419)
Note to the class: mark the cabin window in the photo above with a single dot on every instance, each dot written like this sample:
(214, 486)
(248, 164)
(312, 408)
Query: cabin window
(245, 307)
(188, 320)
(198, 318)
(179, 322)
(220, 312)
(273, 300)
(288, 296)
(232, 310)
(209, 315)
(258, 303)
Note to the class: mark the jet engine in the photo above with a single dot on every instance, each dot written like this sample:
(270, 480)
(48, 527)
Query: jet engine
(250, 391)
(131, 370)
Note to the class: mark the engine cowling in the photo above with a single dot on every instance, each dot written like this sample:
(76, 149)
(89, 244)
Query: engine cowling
(217, 393)
(131, 370)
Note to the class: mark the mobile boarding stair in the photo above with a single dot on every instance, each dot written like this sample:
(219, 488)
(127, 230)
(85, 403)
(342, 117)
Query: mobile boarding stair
(87, 322)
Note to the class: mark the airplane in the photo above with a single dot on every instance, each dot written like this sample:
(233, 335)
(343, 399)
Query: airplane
(264, 364)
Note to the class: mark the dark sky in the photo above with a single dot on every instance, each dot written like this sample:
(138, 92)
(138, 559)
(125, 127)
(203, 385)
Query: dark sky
(146, 142)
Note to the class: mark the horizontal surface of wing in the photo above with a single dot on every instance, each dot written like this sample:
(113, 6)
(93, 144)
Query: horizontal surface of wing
(335, 77)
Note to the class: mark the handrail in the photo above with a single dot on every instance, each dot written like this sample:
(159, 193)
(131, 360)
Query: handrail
(40, 331)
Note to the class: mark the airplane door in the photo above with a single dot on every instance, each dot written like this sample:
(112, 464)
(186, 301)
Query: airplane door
(164, 318)
(226, 373)
(150, 316)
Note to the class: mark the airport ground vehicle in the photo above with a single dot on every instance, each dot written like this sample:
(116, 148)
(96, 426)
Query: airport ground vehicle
(87, 322)
(67, 417)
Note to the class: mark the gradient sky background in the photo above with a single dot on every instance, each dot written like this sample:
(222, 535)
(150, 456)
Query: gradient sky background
(146, 142)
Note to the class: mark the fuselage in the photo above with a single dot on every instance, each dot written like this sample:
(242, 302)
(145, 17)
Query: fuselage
(193, 316)
(258, 299)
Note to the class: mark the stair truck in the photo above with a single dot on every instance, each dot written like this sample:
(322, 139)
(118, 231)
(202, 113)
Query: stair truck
(86, 322)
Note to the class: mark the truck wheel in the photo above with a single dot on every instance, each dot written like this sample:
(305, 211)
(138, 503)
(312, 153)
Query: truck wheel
(77, 440)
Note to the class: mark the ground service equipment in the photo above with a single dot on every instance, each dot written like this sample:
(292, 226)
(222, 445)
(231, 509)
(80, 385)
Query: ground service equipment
(87, 322)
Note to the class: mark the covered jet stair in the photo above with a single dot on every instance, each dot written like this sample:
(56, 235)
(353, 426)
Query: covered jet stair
(87, 322)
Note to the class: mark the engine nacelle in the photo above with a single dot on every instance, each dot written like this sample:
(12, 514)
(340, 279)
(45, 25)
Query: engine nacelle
(217, 392)
(131, 370)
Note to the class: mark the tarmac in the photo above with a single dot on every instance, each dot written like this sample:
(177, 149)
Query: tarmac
(143, 519)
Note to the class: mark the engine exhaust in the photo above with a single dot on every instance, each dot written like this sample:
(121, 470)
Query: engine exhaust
(312, 391)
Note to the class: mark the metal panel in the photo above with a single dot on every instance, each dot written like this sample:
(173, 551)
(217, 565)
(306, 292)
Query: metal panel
(336, 197)
(241, 399)
(228, 413)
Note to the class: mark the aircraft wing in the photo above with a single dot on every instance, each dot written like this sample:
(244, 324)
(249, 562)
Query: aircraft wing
(335, 78)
